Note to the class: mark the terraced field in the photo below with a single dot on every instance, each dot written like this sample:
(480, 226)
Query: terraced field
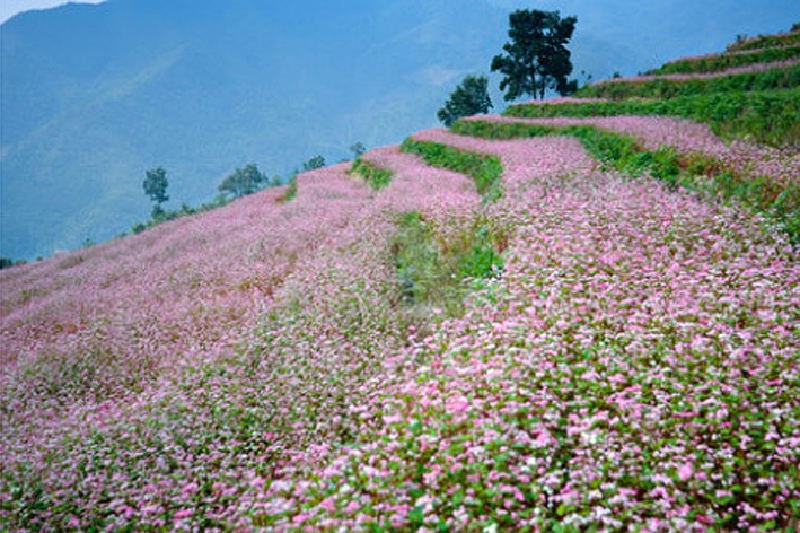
(559, 319)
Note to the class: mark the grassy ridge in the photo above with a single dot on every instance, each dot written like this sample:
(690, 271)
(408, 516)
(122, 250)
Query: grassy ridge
(693, 171)
(769, 117)
(777, 78)
(765, 41)
(484, 169)
(715, 63)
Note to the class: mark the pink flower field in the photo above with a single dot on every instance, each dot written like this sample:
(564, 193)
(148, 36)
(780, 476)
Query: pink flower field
(634, 367)
(782, 166)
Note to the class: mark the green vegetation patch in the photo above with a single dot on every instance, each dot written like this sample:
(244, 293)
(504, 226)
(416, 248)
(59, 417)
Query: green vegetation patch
(485, 170)
(291, 190)
(159, 215)
(433, 266)
(765, 41)
(715, 63)
(769, 117)
(375, 176)
(777, 78)
(693, 171)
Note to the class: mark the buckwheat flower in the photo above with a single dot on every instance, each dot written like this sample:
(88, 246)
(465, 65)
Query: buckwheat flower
(458, 405)
(685, 471)
(184, 513)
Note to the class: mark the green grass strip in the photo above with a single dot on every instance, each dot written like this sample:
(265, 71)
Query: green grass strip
(765, 41)
(485, 170)
(777, 78)
(291, 190)
(375, 176)
(769, 117)
(693, 171)
(724, 61)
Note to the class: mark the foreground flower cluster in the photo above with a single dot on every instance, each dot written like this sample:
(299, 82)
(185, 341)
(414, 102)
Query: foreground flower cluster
(635, 366)
(143, 376)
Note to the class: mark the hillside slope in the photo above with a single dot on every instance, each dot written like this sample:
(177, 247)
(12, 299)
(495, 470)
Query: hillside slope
(94, 96)
(536, 326)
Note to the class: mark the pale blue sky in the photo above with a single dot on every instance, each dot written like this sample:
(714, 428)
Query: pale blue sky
(9, 8)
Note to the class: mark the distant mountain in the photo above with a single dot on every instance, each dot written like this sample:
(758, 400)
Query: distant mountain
(94, 95)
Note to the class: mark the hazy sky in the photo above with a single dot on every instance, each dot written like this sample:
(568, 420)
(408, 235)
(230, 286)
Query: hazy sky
(9, 8)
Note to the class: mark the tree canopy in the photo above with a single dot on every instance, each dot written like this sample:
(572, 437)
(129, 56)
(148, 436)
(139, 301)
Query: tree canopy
(155, 185)
(315, 162)
(243, 181)
(536, 58)
(358, 149)
(469, 98)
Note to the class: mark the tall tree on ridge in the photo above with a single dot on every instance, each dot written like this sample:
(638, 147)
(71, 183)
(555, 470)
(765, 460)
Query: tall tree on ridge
(537, 58)
(243, 181)
(155, 186)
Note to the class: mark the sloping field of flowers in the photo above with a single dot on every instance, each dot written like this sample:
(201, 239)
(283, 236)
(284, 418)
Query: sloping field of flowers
(75, 456)
(782, 166)
(635, 366)
(185, 287)
(565, 156)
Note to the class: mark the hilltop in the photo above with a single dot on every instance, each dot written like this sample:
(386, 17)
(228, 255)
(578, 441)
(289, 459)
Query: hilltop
(579, 314)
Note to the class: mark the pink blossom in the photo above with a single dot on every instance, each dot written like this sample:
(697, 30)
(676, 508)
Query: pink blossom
(685, 471)
(184, 513)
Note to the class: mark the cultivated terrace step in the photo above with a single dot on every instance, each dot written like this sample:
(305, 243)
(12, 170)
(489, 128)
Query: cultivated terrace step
(766, 41)
(755, 67)
(727, 60)
(653, 132)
